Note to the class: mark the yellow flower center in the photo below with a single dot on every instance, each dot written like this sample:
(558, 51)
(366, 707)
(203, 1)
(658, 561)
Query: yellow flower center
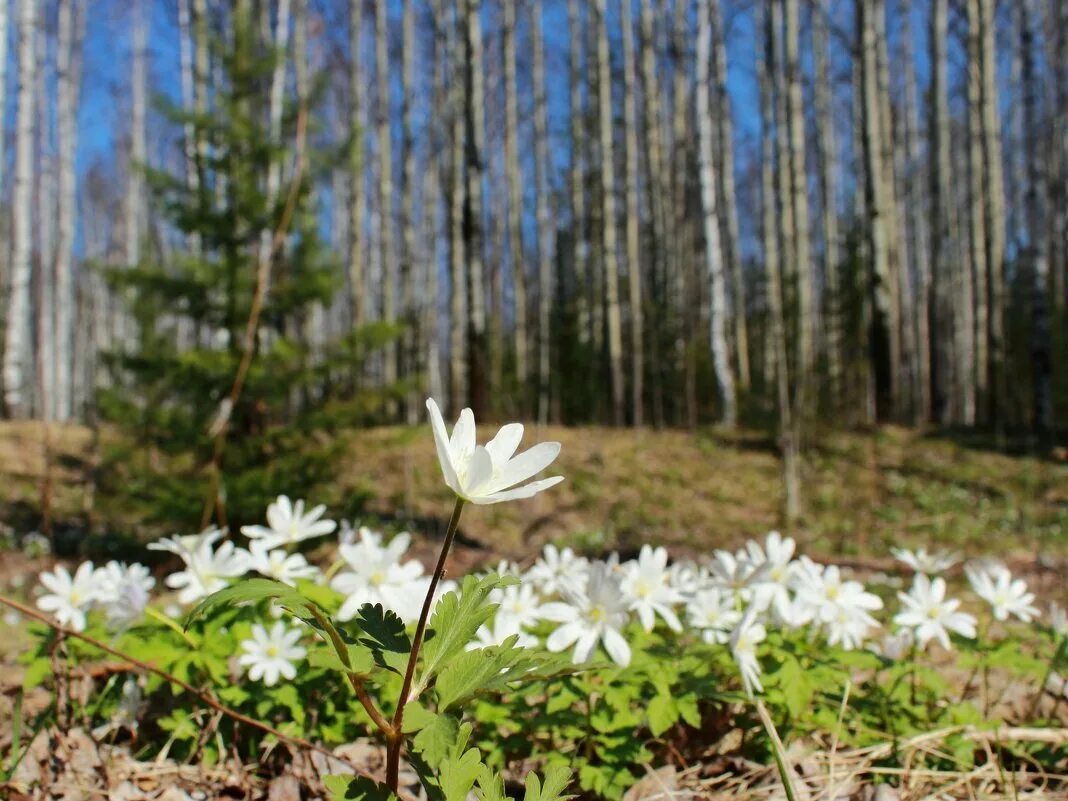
(598, 614)
(272, 651)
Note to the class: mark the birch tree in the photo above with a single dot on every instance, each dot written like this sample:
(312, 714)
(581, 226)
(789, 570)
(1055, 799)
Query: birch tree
(357, 148)
(458, 328)
(411, 334)
(17, 362)
(631, 181)
(67, 144)
(515, 194)
(728, 194)
(385, 185)
(608, 213)
(542, 211)
(713, 251)
(580, 253)
(827, 158)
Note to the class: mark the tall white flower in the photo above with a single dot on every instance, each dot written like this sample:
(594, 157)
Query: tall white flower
(558, 570)
(1006, 595)
(288, 523)
(270, 655)
(69, 598)
(930, 615)
(713, 613)
(921, 561)
(1058, 619)
(594, 616)
(206, 569)
(375, 575)
(646, 585)
(744, 641)
(279, 565)
(490, 473)
(827, 594)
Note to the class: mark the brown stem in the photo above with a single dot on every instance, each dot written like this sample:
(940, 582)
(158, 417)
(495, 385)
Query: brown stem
(259, 296)
(206, 699)
(396, 737)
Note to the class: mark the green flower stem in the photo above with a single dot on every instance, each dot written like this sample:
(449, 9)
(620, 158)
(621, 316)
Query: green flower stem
(1062, 645)
(396, 736)
(172, 624)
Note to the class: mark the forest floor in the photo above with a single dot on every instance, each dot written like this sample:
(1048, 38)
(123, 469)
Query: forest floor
(690, 491)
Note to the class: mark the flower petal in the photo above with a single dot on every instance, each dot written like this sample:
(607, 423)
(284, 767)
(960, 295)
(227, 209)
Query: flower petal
(526, 465)
(441, 442)
(502, 447)
(526, 491)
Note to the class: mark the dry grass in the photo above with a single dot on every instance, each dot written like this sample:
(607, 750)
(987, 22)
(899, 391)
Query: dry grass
(689, 490)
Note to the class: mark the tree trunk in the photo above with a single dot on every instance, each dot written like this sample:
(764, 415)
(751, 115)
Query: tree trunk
(474, 123)
(976, 213)
(357, 196)
(515, 199)
(1035, 255)
(385, 189)
(45, 229)
(577, 174)
(713, 252)
(67, 144)
(883, 325)
(543, 213)
(917, 222)
(791, 463)
(941, 242)
(17, 362)
(280, 45)
(656, 194)
(458, 343)
(608, 213)
(806, 354)
(729, 216)
(827, 156)
(411, 334)
(632, 182)
(990, 126)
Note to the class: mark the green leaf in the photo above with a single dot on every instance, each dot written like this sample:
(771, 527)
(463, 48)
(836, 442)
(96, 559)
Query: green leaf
(483, 670)
(456, 619)
(36, 672)
(383, 632)
(490, 785)
(436, 739)
(557, 778)
(360, 788)
(663, 713)
(361, 660)
(458, 774)
(251, 590)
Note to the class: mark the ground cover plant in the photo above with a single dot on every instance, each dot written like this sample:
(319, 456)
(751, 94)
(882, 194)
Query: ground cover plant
(569, 674)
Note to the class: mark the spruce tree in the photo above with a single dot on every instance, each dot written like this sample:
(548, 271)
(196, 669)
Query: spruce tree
(190, 315)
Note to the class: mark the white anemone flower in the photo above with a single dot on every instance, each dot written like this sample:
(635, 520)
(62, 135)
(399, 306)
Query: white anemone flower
(737, 573)
(645, 583)
(518, 608)
(596, 615)
(929, 615)
(280, 565)
(713, 613)
(487, 637)
(271, 655)
(772, 591)
(558, 570)
(490, 473)
(69, 598)
(1006, 595)
(123, 590)
(744, 641)
(207, 570)
(288, 523)
(376, 575)
(921, 561)
(827, 594)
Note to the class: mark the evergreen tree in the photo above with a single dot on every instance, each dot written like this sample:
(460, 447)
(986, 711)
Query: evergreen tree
(166, 392)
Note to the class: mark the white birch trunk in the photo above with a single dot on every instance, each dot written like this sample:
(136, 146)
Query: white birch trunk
(515, 196)
(543, 213)
(713, 251)
(17, 365)
(632, 182)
